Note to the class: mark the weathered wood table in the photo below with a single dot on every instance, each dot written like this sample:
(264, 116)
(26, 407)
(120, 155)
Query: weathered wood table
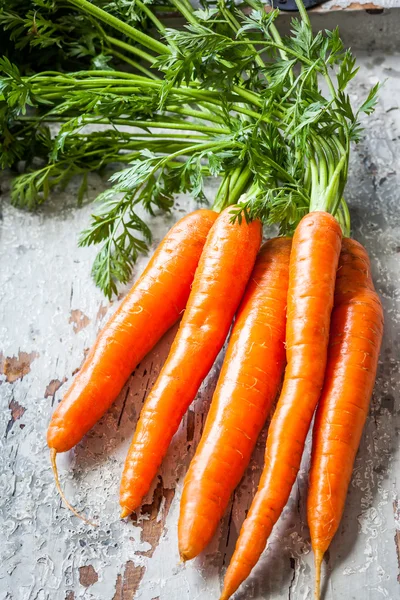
(50, 312)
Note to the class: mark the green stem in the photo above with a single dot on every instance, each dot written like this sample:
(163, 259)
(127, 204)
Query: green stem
(303, 13)
(235, 176)
(133, 63)
(210, 97)
(93, 78)
(182, 125)
(276, 36)
(322, 165)
(169, 136)
(333, 197)
(232, 22)
(331, 158)
(247, 95)
(237, 190)
(188, 5)
(235, 26)
(315, 187)
(133, 49)
(150, 15)
(307, 178)
(191, 149)
(220, 198)
(328, 199)
(347, 218)
(184, 10)
(121, 26)
(197, 114)
(341, 151)
(300, 57)
(232, 187)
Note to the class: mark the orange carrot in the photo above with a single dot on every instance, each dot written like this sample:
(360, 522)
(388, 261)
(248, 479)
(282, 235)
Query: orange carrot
(313, 265)
(247, 385)
(224, 269)
(355, 339)
(152, 306)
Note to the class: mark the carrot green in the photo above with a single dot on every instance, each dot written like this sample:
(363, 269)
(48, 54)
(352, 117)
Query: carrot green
(224, 94)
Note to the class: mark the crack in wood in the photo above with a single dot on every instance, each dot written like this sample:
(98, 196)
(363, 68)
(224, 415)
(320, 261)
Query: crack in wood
(123, 408)
(229, 526)
(292, 566)
(146, 388)
(190, 423)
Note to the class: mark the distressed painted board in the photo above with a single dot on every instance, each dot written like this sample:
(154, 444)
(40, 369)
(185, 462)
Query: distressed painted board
(50, 313)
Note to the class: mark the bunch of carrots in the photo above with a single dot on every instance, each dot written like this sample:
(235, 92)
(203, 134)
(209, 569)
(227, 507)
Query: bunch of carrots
(307, 302)
(303, 309)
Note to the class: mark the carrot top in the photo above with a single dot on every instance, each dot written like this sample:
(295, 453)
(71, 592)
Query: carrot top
(259, 119)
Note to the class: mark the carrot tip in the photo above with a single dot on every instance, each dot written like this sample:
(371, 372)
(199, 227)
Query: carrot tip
(53, 456)
(318, 556)
(184, 556)
(125, 512)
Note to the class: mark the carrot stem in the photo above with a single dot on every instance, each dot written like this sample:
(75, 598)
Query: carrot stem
(53, 459)
(122, 27)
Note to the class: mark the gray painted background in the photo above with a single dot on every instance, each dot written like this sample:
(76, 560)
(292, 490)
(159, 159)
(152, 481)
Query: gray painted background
(50, 312)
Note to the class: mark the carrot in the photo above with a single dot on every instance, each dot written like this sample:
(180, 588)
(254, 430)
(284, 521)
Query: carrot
(224, 269)
(247, 385)
(355, 339)
(313, 265)
(152, 306)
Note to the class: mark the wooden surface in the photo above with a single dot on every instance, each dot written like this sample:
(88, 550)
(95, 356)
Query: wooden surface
(50, 313)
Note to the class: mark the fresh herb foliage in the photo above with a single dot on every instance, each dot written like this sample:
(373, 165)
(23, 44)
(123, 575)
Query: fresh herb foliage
(224, 95)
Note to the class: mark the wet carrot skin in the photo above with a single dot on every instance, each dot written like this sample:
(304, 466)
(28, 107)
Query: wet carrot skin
(150, 308)
(355, 339)
(222, 274)
(247, 385)
(313, 265)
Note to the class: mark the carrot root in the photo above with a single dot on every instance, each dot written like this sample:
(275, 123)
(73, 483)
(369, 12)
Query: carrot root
(318, 557)
(312, 273)
(125, 512)
(247, 385)
(53, 459)
(355, 337)
(217, 288)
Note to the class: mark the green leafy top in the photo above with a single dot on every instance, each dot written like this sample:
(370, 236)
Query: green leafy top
(224, 95)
